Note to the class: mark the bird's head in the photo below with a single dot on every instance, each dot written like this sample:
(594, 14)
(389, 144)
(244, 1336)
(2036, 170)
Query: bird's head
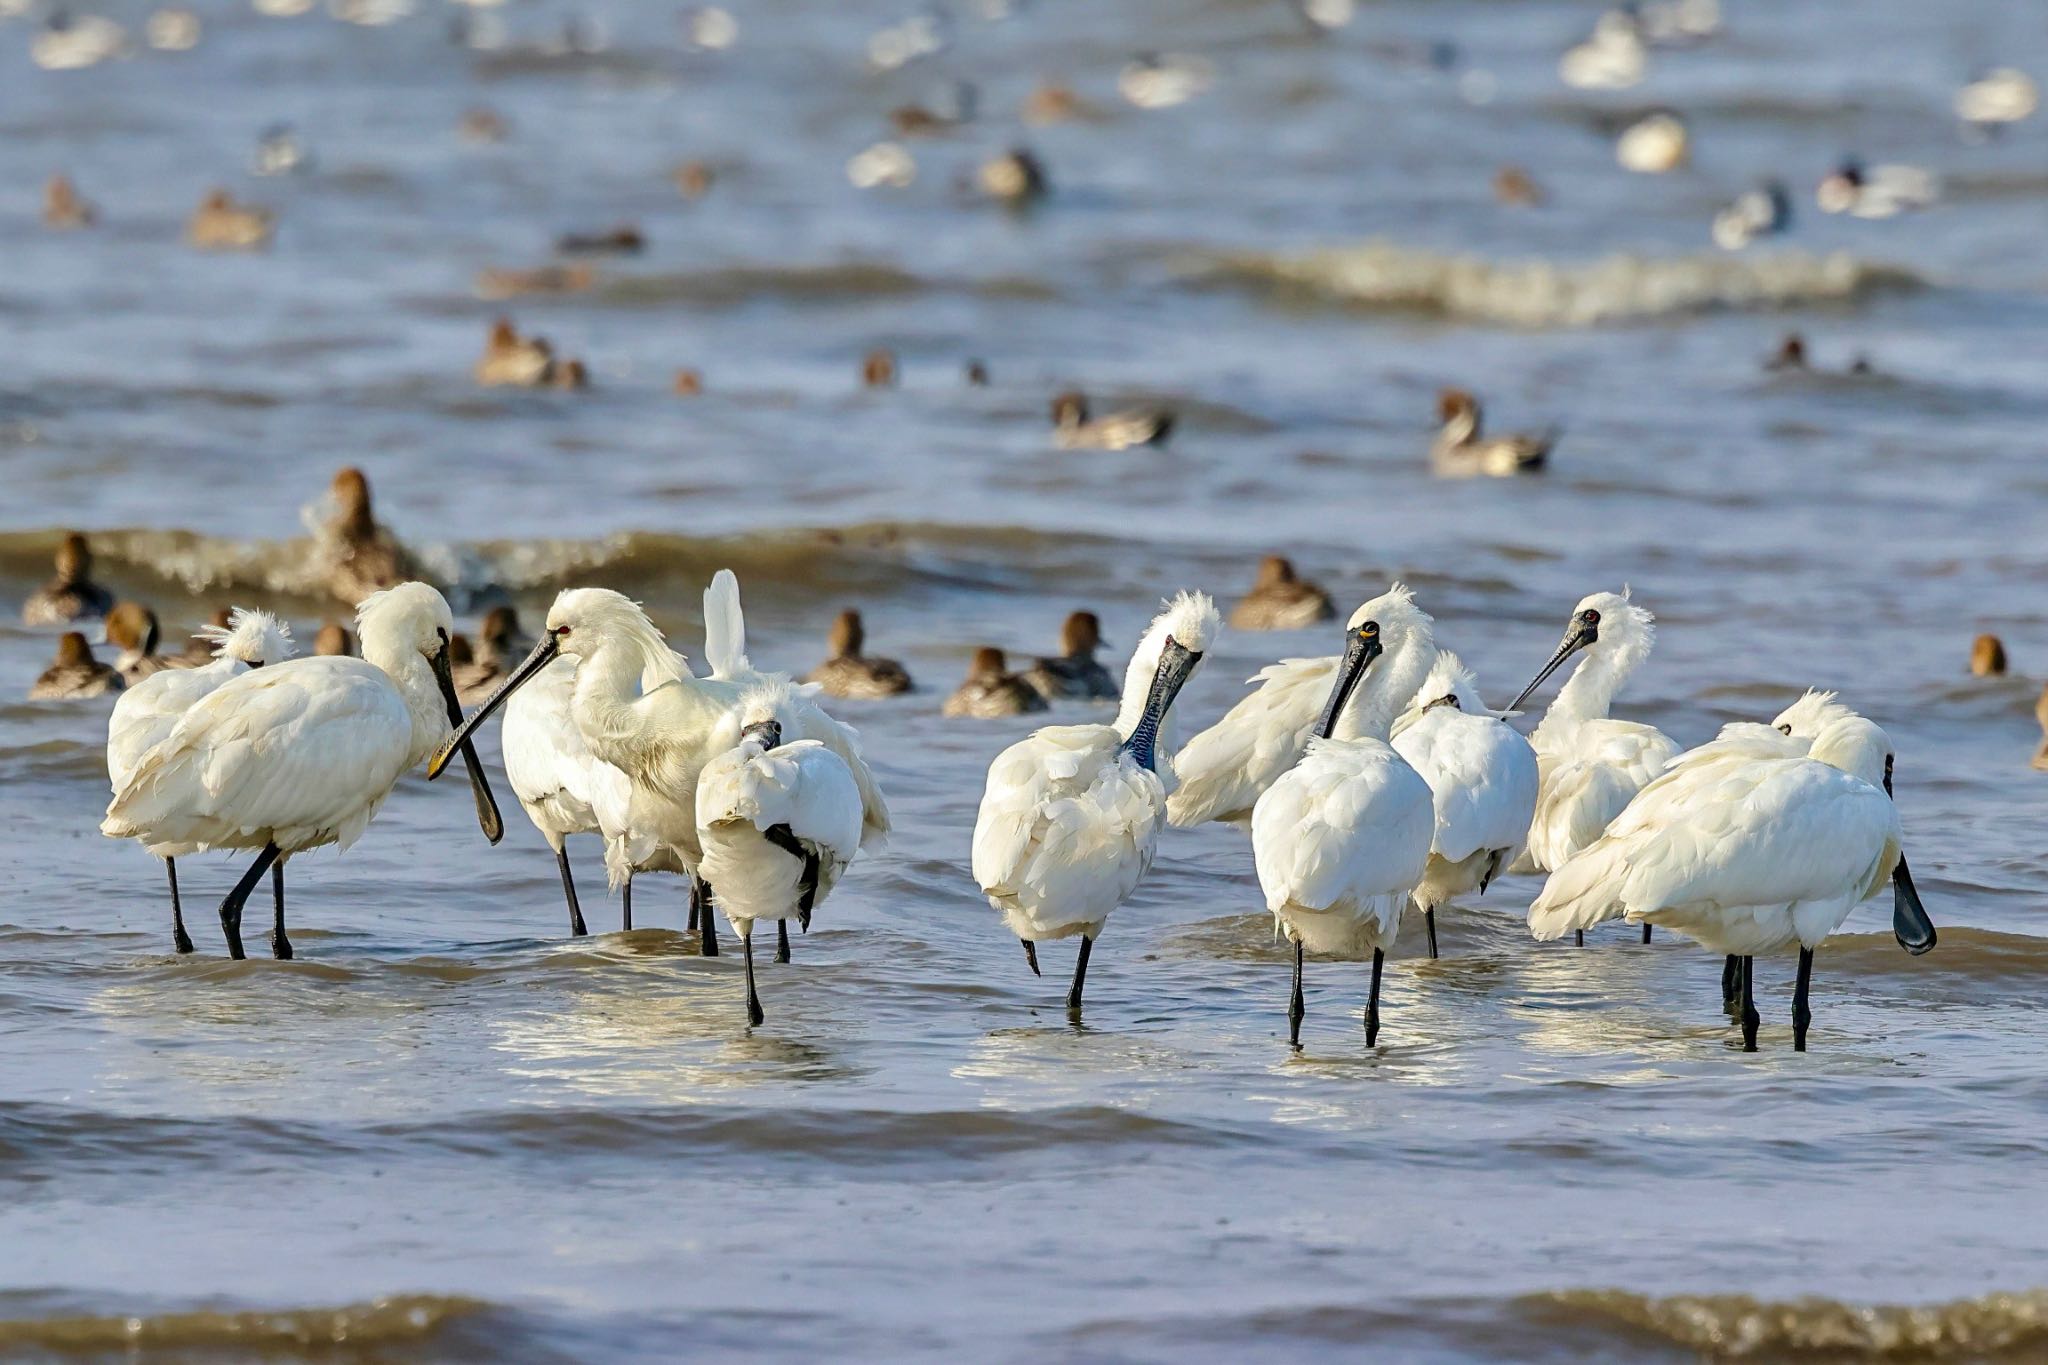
(254, 637)
(1609, 626)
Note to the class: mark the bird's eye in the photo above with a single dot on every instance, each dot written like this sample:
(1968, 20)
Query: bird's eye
(1369, 630)
(561, 632)
(1589, 617)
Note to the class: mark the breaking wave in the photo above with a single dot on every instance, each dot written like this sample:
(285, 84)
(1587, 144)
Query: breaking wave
(1540, 293)
(1735, 1326)
(369, 1331)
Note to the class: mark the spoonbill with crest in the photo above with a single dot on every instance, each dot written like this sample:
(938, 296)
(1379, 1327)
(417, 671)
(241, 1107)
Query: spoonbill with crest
(147, 713)
(1746, 850)
(1341, 840)
(1592, 765)
(302, 754)
(1070, 817)
(778, 822)
(639, 708)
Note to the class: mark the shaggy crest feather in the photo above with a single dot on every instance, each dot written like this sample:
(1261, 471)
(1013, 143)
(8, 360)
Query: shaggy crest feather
(254, 637)
(1811, 714)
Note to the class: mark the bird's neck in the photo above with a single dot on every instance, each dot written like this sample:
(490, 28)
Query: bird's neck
(1384, 691)
(1461, 429)
(414, 677)
(1585, 696)
(612, 712)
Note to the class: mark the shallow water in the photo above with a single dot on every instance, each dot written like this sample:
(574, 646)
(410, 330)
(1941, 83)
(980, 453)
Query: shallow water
(447, 1131)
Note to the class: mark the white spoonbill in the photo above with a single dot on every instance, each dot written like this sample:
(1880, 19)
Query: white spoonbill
(1482, 777)
(1342, 839)
(1592, 765)
(301, 754)
(147, 712)
(640, 709)
(560, 784)
(1070, 817)
(1746, 850)
(778, 822)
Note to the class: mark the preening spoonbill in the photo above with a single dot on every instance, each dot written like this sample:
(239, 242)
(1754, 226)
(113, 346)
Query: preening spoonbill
(560, 784)
(147, 713)
(990, 690)
(849, 672)
(1075, 672)
(1746, 850)
(297, 755)
(1482, 778)
(778, 822)
(1592, 765)
(640, 709)
(1341, 840)
(1281, 600)
(1070, 817)
(71, 595)
(74, 673)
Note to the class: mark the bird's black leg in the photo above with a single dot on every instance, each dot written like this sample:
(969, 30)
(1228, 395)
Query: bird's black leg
(1031, 955)
(1646, 933)
(626, 903)
(782, 940)
(1578, 938)
(1429, 922)
(1750, 1018)
(231, 908)
(180, 940)
(696, 897)
(1295, 1008)
(1731, 983)
(1372, 1002)
(1080, 974)
(1801, 1015)
(576, 926)
(754, 1015)
(707, 925)
(280, 946)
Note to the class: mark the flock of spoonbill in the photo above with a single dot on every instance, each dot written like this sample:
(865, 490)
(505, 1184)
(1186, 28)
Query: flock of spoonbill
(1371, 779)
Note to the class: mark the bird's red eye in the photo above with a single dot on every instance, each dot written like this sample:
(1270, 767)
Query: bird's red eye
(1590, 617)
(561, 631)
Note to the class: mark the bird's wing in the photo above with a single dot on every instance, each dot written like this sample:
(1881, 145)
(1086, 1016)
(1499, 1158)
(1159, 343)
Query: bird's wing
(725, 627)
(842, 739)
(305, 744)
(547, 760)
(1482, 776)
(1349, 821)
(1758, 832)
(1029, 803)
(1637, 752)
(803, 785)
(146, 713)
(1222, 770)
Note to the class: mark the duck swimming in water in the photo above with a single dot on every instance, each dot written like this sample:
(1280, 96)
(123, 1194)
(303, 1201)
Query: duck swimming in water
(220, 224)
(991, 691)
(514, 361)
(133, 628)
(1987, 656)
(1280, 600)
(1075, 673)
(850, 673)
(499, 647)
(1460, 451)
(71, 595)
(74, 673)
(335, 641)
(63, 207)
(363, 556)
(1074, 429)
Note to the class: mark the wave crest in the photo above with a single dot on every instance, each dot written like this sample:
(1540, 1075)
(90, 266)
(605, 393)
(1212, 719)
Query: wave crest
(361, 1327)
(1541, 293)
(1735, 1325)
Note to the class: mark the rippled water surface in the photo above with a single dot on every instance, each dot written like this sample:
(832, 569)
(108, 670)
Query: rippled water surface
(448, 1131)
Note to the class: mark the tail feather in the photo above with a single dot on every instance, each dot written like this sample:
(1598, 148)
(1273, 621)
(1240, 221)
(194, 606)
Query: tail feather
(1579, 895)
(725, 627)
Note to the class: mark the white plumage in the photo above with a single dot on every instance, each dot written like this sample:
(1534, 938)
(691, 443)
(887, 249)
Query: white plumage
(1591, 765)
(1746, 849)
(1342, 839)
(301, 754)
(638, 708)
(563, 787)
(1070, 817)
(1483, 780)
(1222, 771)
(778, 822)
(146, 713)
